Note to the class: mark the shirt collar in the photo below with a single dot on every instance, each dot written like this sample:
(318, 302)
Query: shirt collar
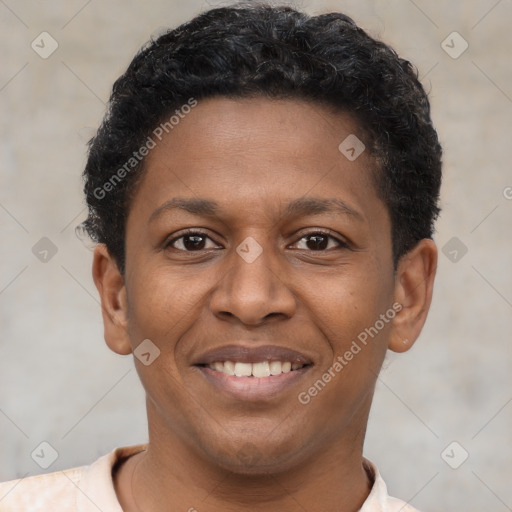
(97, 492)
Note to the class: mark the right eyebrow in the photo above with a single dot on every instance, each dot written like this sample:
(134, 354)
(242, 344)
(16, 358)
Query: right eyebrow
(195, 206)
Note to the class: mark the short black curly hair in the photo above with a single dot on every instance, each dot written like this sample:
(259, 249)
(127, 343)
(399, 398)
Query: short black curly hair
(274, 52)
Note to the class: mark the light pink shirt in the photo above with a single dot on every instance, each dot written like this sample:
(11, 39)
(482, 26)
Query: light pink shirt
(91, 489)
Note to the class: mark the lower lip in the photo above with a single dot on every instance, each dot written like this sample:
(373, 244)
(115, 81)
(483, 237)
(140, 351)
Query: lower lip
(253, 388)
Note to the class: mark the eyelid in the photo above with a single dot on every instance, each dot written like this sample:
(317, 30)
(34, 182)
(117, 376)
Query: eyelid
(342, 242)
(188, 231)
(325, 232)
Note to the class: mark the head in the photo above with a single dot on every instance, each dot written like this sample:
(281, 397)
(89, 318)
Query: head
(299, 154)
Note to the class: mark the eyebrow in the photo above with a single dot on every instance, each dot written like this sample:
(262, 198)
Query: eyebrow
(302, 206)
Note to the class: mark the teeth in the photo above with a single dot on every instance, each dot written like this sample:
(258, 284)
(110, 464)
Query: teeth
(260, 369)
(275, 367)
(229, 368)
(243, 369)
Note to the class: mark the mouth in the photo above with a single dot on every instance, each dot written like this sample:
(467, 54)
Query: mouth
(253, 373)
(255, 370)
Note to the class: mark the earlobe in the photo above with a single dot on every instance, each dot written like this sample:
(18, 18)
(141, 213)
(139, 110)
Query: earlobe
(112, 290)
(414, 284)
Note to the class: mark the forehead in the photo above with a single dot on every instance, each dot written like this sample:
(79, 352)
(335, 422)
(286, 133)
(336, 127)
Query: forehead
(240, 125)
(252, 152)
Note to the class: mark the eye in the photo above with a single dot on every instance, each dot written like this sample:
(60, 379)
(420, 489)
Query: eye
(193, 241)
(190, 241)
(320, 241)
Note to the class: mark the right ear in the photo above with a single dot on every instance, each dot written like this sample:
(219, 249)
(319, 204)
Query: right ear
(110, 284)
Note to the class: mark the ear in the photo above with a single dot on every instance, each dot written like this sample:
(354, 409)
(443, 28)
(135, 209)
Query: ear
(112, 290)
(414, 284)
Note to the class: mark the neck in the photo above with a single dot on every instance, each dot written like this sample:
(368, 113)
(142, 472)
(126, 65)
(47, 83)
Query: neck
(171, 475)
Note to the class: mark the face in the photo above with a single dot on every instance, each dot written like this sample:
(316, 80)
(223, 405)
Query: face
(257, 257)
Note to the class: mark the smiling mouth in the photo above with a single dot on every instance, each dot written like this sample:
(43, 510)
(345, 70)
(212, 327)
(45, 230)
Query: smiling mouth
(254, 370)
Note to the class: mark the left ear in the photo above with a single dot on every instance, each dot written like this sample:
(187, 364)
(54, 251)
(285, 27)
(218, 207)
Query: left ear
(414, 284)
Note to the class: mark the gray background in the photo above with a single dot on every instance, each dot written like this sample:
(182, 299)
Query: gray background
(58, 381)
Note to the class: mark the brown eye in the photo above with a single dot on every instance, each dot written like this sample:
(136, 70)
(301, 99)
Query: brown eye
(320, 241)
(190, 242)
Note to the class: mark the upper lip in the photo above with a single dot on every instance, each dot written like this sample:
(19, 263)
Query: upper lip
(245, 354)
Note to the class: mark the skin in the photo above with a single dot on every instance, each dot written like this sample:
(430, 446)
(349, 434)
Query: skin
(207, 450)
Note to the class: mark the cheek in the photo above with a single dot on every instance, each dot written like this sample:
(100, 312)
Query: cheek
(163, 307)
(166, 306)
(347, 303)
(162, 304)
(355, 319)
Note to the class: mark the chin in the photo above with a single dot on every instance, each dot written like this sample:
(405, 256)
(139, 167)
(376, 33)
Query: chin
(258, 457)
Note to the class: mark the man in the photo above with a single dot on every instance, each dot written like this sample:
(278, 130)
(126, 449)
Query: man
(263, 191)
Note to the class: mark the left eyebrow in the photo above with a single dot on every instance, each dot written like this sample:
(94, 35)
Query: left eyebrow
(317, 205)
(299, 207)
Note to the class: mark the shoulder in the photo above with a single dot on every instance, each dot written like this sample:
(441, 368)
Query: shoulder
(81, 489)
(396, 505)
(379, 500)
(37, 493)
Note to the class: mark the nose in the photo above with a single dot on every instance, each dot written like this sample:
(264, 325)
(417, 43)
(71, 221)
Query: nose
(253, 291)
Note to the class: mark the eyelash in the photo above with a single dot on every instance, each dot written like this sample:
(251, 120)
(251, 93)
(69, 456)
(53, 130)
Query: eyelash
(193, 232)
